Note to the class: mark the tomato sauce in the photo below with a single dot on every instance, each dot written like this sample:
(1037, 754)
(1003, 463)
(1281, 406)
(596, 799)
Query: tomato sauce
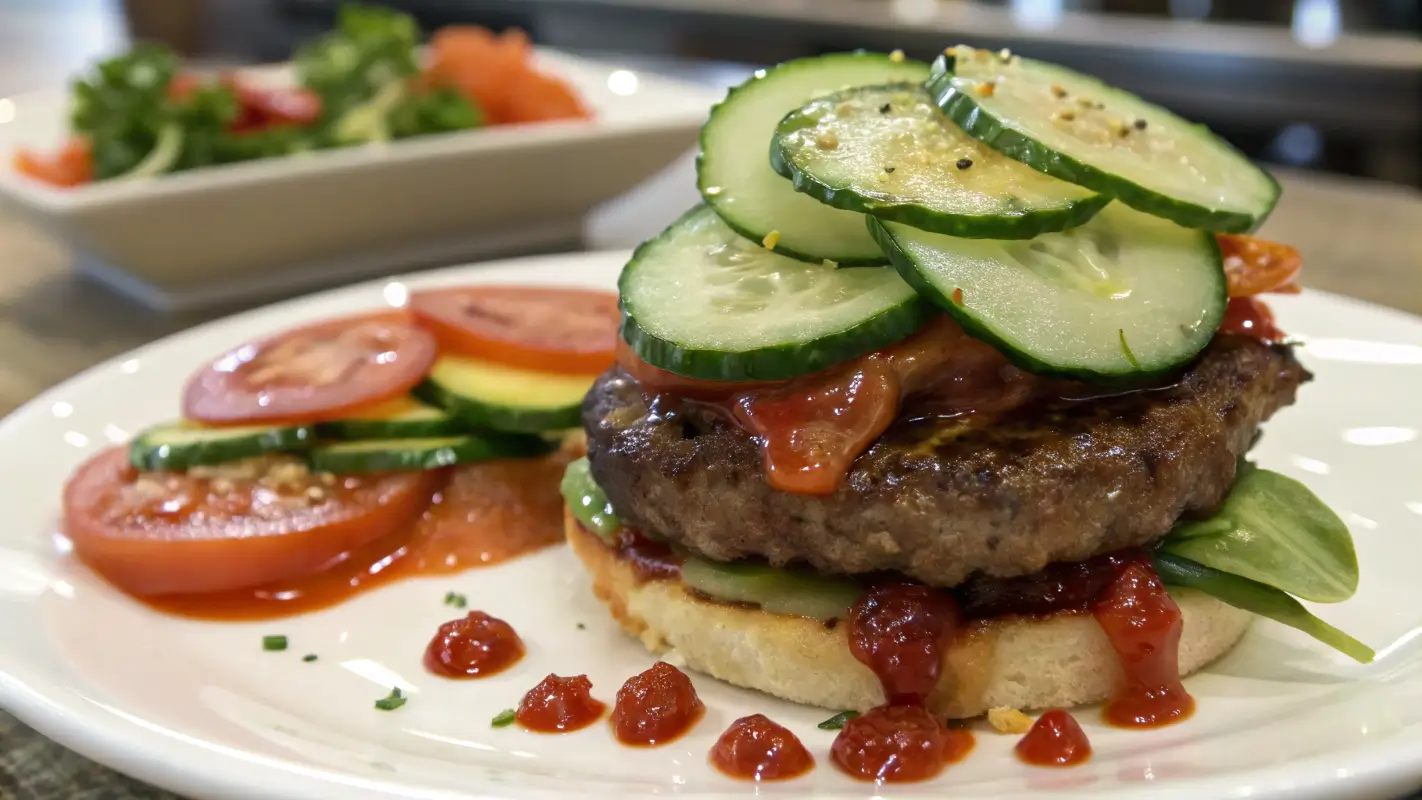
(813, 427)
(901, 631)
(475, 646)
(1249, 316)
(1055, 740)
(650, 560)
(898, 744)
(655, 707)
(757, 749)
(487, 513)
(1144, 625)
(559, 705)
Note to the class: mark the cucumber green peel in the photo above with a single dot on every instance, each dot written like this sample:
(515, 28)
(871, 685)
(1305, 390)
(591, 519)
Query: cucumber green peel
(1082, 130)
(702, 302)
(888, 151)
(587, 501)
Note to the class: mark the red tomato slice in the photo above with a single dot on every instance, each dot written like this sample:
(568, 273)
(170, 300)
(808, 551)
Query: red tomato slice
(260, 108)
(72, 165)
(1254, 266)
(312, 373)
(218, 529)
(553, 330)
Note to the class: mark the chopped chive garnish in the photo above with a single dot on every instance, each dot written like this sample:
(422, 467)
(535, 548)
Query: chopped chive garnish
(837, 721)
(455, 599)
(309, 657)
(273, 643)
(391, 701)
(505, 718)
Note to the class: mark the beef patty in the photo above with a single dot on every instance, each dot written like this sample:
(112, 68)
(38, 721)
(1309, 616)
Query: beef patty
(944, 499)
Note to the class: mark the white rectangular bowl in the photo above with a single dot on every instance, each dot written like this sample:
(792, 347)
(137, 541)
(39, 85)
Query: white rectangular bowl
(277, 225)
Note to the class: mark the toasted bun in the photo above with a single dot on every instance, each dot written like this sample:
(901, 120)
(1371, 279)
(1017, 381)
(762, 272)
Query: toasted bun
(1059, 661)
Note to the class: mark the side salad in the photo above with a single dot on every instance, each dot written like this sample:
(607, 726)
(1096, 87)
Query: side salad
(139, 114)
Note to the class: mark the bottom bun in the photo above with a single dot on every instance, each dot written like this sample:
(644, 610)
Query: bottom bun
(1028, 663)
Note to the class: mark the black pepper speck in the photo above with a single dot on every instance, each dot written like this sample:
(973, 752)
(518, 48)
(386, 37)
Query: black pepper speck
(964, 163)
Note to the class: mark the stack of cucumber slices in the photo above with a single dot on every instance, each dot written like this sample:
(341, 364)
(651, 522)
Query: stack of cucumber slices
(465, 410)
(984, 182)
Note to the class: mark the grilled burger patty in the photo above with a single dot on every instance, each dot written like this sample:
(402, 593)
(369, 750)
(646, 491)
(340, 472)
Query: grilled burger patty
(943, 499)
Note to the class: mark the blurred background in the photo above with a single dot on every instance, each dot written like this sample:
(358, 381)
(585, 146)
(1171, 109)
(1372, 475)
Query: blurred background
(1330, 85)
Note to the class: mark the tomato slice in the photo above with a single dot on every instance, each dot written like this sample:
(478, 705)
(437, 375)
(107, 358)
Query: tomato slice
(222, 528)
(570, 331)
(1254, 266)
(260, 108)
(72, 165)
(313, 373)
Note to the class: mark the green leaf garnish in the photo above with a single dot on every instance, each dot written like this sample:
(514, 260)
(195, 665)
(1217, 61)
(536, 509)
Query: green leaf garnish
(1273, 530)
(309, 657)
(837, 721)
(392, 701)
(587, 502)
(1257, 598)
(273, 643)
(505, 718)
(455, 599)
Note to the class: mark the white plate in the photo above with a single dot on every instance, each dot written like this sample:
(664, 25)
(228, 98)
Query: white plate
(278, 225)
(199, 708)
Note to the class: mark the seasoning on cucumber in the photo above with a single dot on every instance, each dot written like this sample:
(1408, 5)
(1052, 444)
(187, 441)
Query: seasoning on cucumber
(176, 446)
(700, 301)
(1079, 129)
(736, 180)
(888, 151)
(1124, 297)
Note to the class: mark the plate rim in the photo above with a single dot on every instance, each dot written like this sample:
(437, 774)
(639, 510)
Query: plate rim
(170, 759)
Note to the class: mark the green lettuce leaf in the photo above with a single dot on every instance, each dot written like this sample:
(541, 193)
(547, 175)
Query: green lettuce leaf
(1257, 598)
(1273, 530)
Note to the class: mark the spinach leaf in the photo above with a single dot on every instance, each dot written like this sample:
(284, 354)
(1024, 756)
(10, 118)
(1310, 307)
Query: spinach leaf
(1257, 598)
(1273, 530)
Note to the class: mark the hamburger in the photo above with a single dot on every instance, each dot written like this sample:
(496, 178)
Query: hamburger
(949, 401)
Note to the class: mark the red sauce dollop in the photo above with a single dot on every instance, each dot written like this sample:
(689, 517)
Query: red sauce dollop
(651, 560)
(655, 707)
(898, 744)
(1144, 625)
(754, 748)
(558, 705)
(900, 630)
(1249, 316)
(1056, 740)
(476, 646)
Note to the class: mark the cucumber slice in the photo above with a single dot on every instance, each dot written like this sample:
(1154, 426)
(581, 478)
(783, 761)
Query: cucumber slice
(1125, 296)
(177, 446)
(483, 394)
(1081, 130)
(396, 455)
(401, 418)
(737, 181)
(587, 501)
(897, 157)
(791, 592)
(700, 301)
